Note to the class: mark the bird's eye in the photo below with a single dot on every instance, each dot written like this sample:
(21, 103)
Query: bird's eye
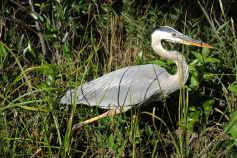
(173, 34)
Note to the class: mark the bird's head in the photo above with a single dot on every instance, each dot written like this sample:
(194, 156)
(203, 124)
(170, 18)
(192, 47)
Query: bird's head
(169, 34)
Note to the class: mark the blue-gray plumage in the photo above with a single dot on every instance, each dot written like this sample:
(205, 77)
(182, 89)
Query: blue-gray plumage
(120, 88)
(134, 85)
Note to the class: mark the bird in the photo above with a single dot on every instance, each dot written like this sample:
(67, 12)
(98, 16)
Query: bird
(120, 90)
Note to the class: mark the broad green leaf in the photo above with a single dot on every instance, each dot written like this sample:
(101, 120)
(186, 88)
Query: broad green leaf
(37, 4)
(58, 8)
(207, 105)
(194, 78)
(31, 50)
(19, 42)
(198, 56)
(77, 7)
(211, 101)
(205, 52)
(70, 20)
(18, 21)
(50, 77)
(233, 129)
(201, 68)
(194, 62)
(34, 16)
(3, 51)
(65, 37)
(29, 46)
(40, 18)
(48, 23)
(48, 35)
(139, 57)
(148, 130)
(192, 108)
(115, 147)
(212, 60)
(191, 67)
(61, 16)
(191, 124)
(10, 38)
(4, 78)
(84, 8)
(233, 89)
(42, 85)
(234, 116)
(111, 138)
(25, 50)
(65, 48)
(193, 117)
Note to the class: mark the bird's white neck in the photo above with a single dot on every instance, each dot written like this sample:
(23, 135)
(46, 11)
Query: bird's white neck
(180, 78)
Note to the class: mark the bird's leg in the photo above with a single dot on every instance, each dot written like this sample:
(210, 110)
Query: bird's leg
(108, 113)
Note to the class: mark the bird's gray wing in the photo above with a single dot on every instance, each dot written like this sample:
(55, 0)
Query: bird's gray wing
(122, 88)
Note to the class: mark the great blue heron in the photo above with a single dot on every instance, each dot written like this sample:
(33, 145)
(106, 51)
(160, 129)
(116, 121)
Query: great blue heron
(119, 90)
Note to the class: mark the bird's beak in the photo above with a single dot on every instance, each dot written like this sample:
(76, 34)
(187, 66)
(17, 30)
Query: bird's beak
(191, 41)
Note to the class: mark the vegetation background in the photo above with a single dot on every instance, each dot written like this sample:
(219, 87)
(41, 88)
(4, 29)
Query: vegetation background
(50, 46)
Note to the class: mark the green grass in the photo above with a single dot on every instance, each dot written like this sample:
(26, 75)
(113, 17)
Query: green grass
(84, 43)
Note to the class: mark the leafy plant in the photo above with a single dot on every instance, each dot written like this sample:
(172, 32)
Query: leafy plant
(49, 47)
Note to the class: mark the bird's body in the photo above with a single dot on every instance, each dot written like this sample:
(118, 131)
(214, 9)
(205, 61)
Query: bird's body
(121, 89)
(115, 91)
